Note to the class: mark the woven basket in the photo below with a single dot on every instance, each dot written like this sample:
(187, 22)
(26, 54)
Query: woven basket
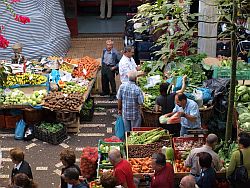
(150, 118)
(206, 114)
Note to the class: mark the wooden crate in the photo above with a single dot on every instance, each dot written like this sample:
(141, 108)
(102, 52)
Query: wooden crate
(74, 127)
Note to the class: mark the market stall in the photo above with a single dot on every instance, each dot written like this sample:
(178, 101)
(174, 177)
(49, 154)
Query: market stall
(54, 84)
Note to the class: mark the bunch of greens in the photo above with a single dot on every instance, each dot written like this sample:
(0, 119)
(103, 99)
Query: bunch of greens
(51, 127)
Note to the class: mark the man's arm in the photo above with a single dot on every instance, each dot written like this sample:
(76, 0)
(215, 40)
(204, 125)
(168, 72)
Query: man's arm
(194, 111)
(184, 79)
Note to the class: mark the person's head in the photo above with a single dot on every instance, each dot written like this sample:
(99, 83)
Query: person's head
(16, 155)
(128, 51)
(181, 100)
(71, 176)
(132, 75)
(244, 140)
(109, 44)
(108, 180)
(205, 159)
(114, 156)
(211, 140)
(187, 182)
(67, 157)
(158, 161)
(22, 180)
(164, 88)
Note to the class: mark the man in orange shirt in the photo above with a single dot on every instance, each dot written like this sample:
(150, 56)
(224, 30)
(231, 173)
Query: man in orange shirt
(122, 169)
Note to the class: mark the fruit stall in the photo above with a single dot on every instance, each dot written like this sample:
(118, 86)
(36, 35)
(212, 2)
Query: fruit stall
(52, 85)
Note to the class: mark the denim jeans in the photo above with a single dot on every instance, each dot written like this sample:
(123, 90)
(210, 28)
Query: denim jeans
(129, 124)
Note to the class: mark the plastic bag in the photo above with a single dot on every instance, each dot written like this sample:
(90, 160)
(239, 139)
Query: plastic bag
(119, 128)
(198, 97)
(29, 134)
(176, 81)
(174, 119)
(206, 94)
(152, 81)
(19, 131)
(163, 119)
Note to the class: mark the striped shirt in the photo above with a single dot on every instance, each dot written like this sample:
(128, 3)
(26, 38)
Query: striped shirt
(131, 96)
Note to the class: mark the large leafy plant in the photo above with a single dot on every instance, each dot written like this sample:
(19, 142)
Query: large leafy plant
(171, 19)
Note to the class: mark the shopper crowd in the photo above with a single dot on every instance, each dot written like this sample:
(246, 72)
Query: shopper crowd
(204, 164)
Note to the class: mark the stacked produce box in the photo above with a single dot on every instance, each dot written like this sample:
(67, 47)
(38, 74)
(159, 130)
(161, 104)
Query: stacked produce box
(103, 150)
(182, 148)
(141, 145)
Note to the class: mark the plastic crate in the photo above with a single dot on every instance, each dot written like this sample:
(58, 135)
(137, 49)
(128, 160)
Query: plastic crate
(176, 140)
(119, 144)
(224, 72)
(87, 114)
(52, 138)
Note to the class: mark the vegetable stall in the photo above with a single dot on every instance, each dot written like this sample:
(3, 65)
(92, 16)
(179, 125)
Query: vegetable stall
(52, 85)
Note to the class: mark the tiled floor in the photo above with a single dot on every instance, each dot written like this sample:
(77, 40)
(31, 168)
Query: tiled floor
(92, 46)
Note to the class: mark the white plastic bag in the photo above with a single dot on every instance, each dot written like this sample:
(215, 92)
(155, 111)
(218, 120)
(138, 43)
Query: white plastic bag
(152, 81)
(198, 97)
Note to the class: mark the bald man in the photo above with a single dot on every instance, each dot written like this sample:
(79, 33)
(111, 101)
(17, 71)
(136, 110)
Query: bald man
(122, 169)
(188, 182)
(193, 160)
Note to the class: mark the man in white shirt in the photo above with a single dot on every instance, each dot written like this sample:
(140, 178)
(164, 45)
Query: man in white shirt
(127, 63)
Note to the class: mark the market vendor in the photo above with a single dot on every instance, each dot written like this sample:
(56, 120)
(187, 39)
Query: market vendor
(127, 64)
(192, 160)
(189, 112)
(165, 102)
(164, 172)
(122, 169)
(110, 60)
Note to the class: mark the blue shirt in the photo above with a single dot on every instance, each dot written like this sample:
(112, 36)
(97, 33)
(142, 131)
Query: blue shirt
(131, 96)
(192, 109)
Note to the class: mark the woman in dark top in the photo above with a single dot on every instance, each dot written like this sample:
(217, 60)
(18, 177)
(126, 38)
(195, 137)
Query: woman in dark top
(165, 103)
(207, 177)
(68, 159)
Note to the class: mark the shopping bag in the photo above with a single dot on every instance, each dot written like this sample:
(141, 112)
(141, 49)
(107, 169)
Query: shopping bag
(119, 128)
(19, 131)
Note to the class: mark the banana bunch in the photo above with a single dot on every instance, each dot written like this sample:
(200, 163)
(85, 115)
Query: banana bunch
(26, 78)
(66, 68)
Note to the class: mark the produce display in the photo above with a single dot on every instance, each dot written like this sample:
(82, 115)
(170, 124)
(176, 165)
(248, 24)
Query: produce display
(72, 87)
(66, 67)
(51, 127)
(86, 67)
(141, 165)
(225, 151)
(180, 167)
(241, 64)
(192, 66)
(60, 101)
(88, 162)
(146, 150)
(147, 137)
(17, 97)
(25, 78)
(243, 107)
(105, 148)
(183, 146)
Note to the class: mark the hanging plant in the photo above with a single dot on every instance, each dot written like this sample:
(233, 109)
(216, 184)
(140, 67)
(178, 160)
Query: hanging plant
(4, 43)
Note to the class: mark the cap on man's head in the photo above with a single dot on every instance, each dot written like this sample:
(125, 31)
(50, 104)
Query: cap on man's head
(109, 42)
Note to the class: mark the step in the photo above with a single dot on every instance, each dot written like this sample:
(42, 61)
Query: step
(103, 101)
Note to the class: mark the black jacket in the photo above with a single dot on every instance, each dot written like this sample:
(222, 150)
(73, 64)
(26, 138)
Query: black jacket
(63, 183)
(24, 168)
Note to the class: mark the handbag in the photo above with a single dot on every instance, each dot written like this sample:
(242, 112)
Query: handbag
(240, 174)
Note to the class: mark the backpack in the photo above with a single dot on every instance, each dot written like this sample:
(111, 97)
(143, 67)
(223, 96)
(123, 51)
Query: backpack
(240, 174)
